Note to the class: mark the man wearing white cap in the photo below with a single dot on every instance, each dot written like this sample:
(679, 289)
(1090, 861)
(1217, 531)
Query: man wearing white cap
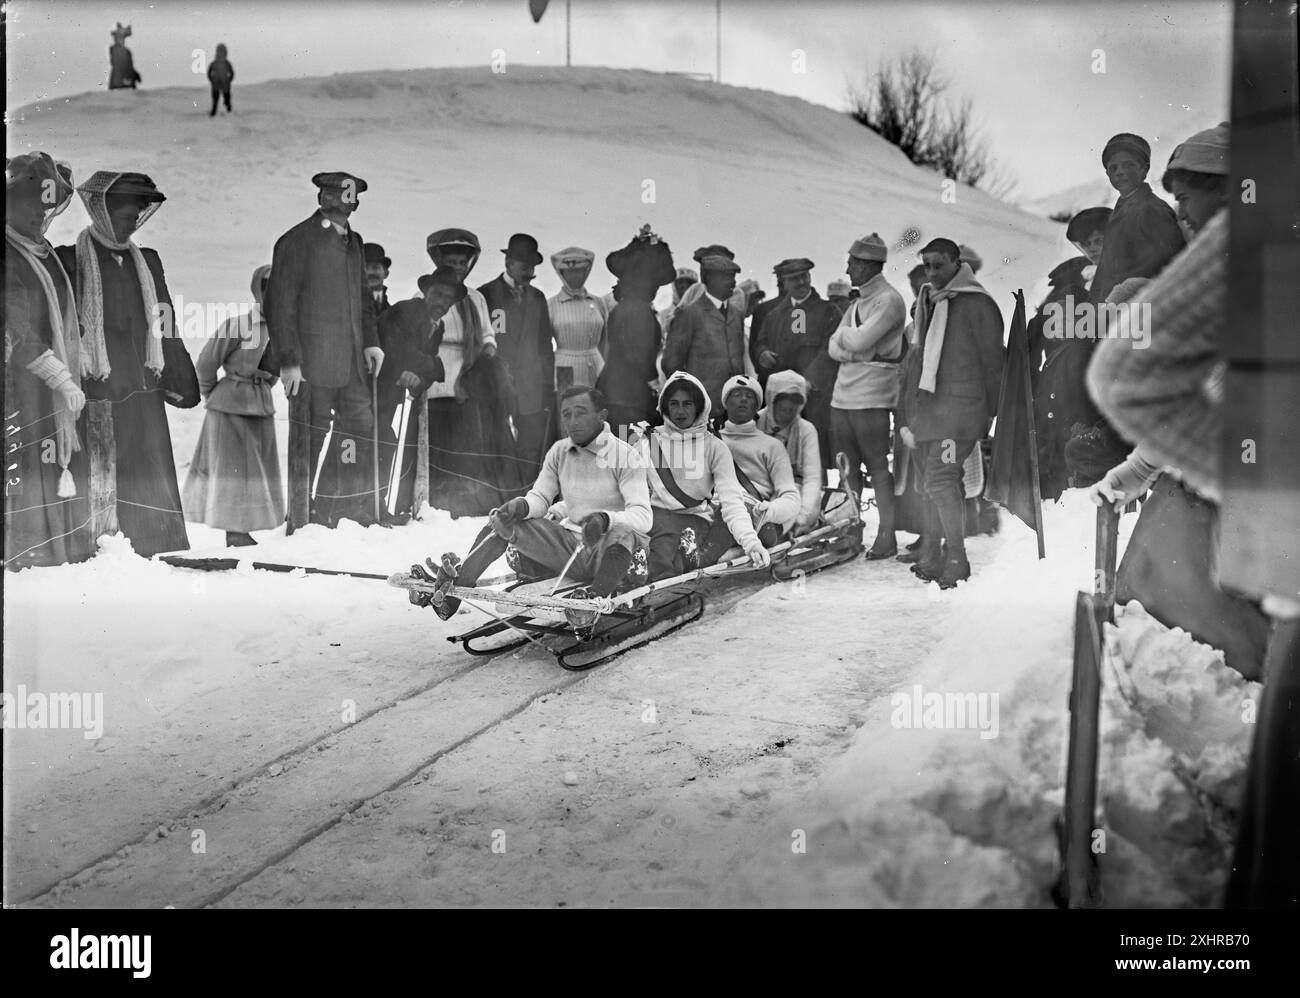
(869, 344)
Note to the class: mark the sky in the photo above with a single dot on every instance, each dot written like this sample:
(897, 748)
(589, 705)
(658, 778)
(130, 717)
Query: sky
(1028, 67)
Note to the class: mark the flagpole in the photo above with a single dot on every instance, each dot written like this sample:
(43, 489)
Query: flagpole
(567, 61)
(718, 7)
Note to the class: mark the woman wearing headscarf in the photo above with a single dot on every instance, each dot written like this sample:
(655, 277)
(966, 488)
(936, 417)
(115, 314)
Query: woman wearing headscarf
(47, 515)
(578, 318)
(123, 302)
(234, 479)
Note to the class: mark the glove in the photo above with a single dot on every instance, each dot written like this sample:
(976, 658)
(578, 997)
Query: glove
(1124, 482)
(73, 396)
(510, 513)
(909, 441)
(374, 359)
(758, 556)
(767, 359)
(594, 526)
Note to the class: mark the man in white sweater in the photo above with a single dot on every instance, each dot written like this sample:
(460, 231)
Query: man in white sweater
(869, 344)
(605, 515)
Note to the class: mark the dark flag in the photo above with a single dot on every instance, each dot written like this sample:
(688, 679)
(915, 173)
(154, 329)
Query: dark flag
(537, 8)
(1013, 472)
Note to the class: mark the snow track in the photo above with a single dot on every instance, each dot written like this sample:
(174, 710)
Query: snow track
(261, 818)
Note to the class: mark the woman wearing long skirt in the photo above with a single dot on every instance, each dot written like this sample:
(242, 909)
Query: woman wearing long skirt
(578, 318)
(234, 480)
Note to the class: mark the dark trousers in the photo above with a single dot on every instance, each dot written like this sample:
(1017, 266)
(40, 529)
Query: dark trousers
(346, 486)
(534, 435)
(220, 90)
(666, 534)
(864, 436)
(546, 544)
(941, 481)
(720, 539)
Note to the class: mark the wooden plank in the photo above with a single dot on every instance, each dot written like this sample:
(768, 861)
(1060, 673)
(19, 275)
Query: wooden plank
(103, 468)
(421, 494)
(300, 460)
(1081, 888)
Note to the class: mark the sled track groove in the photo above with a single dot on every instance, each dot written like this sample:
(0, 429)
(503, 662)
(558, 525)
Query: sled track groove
(214, 801)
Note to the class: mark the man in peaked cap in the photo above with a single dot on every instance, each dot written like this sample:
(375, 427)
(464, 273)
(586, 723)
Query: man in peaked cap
(324, 334)
(794, 336)
(377, 264)
(526, 346)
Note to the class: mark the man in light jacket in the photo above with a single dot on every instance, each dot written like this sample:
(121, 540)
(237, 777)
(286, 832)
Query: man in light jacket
(869, 344)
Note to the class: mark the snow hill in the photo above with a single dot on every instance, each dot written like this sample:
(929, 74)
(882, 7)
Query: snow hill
(563, 154)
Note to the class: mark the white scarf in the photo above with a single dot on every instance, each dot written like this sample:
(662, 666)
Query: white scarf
(90, 284)
(65, 342)
(936, 322)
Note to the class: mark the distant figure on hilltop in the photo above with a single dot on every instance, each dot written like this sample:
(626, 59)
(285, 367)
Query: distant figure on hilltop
(220, 74)
(122, 72)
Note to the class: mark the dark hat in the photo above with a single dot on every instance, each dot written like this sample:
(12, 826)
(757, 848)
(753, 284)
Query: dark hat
(717, 263)
(1127, 142)
(716, 249)
(338, 180)
(944, 246)
(135, 185)
(523, 247)
(788, 268)
(32, 170)
(425, 281)
(1085, 223)
(375, 254)
(452, 239)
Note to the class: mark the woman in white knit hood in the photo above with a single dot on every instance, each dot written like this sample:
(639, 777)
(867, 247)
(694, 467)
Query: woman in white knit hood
(686, 468)
(787, 393)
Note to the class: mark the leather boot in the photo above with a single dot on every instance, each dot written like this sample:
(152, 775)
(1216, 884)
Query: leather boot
(929, 562)
(614, 564)
(952, 514)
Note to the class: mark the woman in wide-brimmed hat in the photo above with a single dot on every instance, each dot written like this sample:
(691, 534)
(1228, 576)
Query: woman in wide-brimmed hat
(122, 298)
(47, 515)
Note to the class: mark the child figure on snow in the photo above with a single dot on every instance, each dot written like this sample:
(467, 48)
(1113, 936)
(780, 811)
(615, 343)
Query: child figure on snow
(686, 467)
